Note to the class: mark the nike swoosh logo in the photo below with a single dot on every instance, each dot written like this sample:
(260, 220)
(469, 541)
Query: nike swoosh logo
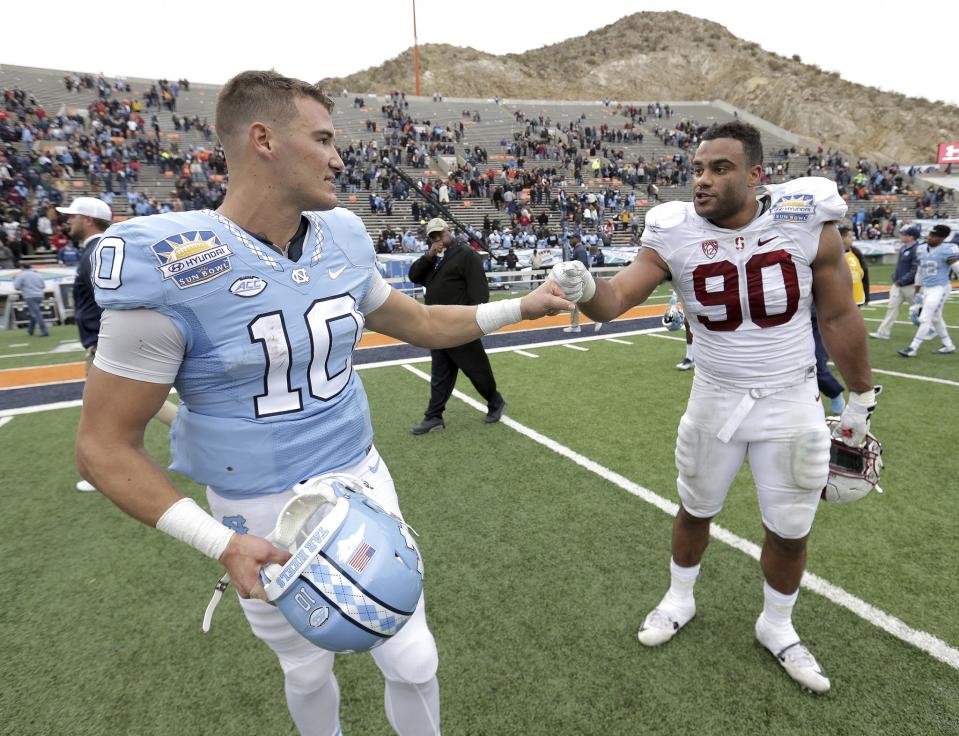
(336, 274)
(374, 468)
(767, 240)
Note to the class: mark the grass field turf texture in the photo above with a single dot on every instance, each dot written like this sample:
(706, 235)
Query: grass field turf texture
(538, 572)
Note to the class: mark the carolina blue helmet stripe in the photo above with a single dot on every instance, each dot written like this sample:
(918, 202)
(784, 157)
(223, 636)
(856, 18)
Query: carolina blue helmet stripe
(352, 601)
(359, 587)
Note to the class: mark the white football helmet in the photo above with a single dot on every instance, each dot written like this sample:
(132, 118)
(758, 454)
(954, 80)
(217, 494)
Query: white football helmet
(853, 471)
(673, 318)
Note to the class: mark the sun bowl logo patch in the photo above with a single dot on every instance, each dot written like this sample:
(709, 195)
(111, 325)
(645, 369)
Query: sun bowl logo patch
(794, 207)
(192, 258)
(247, 286)
(710, 248)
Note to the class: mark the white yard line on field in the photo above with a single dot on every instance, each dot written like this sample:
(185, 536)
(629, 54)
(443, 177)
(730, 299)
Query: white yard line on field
(928, 643)
(5, 420)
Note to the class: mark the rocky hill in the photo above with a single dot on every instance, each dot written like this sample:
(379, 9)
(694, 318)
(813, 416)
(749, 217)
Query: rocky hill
(672, 56)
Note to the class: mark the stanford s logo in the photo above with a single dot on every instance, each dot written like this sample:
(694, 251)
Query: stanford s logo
(710, 248)
(300, 276)
(740, 242)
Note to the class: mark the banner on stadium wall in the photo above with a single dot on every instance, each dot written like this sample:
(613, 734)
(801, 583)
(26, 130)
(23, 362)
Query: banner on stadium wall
(948, 153)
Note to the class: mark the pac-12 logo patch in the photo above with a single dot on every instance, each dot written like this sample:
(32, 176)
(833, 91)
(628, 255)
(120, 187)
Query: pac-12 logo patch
(710, 248)
(794, 207)
(247, 286)
(192, 258)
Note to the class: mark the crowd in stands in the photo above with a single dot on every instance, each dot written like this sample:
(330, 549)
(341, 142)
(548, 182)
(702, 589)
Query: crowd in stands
(549, 180)
(105, 145)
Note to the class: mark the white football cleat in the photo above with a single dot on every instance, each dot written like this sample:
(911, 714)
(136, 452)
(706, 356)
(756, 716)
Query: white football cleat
(686, 364)
(85, 486)
(795, 658)
(660, 625)
(572, 328)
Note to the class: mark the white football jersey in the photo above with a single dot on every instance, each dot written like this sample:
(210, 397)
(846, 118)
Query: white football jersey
(747, 292)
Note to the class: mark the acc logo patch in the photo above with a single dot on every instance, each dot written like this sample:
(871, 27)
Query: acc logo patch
(710, 248)
(247, 286)
(794, 207)
(192, 258)
(319, 616)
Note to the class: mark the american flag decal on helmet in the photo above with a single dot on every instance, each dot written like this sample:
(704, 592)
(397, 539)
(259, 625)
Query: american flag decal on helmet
(361, 558)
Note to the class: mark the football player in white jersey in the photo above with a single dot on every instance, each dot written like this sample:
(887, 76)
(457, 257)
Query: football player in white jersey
(262, 360)
(747, 264)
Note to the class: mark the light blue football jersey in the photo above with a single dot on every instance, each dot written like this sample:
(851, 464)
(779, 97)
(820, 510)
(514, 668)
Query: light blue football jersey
(269, 393)
(934, 263)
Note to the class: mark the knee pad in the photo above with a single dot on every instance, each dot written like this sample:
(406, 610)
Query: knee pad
(415, 662)
(809, 459)
(793, 518)
(690, 448)
(307, 674)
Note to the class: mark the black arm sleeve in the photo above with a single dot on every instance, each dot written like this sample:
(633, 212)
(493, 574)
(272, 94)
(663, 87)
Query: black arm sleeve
(420, 270)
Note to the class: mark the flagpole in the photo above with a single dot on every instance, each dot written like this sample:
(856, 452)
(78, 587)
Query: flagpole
(416, 53)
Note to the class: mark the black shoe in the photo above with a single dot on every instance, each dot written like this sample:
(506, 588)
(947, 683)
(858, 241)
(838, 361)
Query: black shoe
(494, 415)
(429, 424)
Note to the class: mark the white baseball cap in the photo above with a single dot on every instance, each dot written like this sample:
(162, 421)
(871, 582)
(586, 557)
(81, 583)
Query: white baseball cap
(436, 225)
(89, 206)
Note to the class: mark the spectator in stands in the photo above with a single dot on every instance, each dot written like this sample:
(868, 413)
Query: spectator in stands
(453, 274)
(31, 286)
(903, 287)
(68, 255)
(6, 254)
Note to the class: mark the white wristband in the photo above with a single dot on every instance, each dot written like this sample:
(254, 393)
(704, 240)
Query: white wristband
(186, 521)
(493, 315)
(865, 398)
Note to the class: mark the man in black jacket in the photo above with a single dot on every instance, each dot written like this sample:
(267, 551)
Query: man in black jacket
(453, 273)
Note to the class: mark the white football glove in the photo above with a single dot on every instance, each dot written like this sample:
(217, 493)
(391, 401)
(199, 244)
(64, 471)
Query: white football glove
(575, 280)
(854, 421)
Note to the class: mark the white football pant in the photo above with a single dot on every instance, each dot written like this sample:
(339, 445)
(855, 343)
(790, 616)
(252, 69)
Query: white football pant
(408, 661)
(783, 433)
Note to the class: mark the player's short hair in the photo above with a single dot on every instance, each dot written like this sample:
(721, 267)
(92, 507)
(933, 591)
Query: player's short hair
(101, 225)
(263, 95)
(745, 133)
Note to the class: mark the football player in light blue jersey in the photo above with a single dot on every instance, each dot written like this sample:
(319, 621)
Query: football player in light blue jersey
(253, 312)
(936, 260)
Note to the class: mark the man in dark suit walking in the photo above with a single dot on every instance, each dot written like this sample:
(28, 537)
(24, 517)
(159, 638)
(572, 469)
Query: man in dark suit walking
(452, 273)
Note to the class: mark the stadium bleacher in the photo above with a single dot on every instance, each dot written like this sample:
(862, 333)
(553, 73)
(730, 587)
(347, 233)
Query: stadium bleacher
(486, 124)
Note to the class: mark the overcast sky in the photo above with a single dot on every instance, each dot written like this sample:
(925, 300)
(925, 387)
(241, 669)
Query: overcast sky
(894, 45)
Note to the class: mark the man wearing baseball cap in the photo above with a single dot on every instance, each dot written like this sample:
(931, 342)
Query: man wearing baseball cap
(453, 273)
(89, 217)
(903, 281)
